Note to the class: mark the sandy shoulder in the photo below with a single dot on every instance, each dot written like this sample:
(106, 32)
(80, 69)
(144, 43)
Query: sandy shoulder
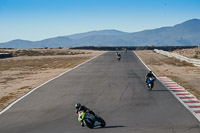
(184, 74)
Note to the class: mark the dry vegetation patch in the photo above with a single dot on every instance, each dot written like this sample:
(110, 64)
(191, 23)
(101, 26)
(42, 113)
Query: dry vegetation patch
(43, 52)
(177, 62)
(185, 74)
(190, 53)
(38, 64)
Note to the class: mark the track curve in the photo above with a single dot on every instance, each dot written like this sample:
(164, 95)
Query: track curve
(114, 90)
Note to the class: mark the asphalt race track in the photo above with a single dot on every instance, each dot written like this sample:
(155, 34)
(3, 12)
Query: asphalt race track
(114, 90)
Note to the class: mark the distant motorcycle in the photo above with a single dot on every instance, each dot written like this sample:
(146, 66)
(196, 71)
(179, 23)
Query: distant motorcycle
(118, 57)
(90, 120)
(150, 83)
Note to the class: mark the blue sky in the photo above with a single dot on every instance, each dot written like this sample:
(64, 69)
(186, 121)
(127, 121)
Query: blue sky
(40, 19)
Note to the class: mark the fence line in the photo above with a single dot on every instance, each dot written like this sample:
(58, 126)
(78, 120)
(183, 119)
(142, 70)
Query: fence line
(180, 57)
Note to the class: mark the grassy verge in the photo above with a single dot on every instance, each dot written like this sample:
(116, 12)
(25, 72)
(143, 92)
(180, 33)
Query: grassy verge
(177, 62)
(38, 64)
(43, 52)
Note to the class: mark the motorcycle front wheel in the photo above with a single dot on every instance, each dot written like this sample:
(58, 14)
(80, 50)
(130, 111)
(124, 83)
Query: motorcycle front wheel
(103, 123)
(151, 86)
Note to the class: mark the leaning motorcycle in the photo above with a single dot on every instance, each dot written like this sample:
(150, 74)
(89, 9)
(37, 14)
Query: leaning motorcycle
(150, 83)
(90, 120)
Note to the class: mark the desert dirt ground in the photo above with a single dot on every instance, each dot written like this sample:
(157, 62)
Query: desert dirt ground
(185, 74)
(190, 53)
(22, 73)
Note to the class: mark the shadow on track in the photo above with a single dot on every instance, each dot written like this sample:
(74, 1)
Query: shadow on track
(160, 90)
(110, 127)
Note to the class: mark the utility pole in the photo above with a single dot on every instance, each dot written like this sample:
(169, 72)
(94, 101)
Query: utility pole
(198, 51)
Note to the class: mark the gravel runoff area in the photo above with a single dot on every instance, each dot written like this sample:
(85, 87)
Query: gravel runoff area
(185, 74)
(22, 73)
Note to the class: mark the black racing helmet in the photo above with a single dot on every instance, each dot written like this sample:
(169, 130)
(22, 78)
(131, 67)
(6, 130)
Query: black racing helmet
(77, 105)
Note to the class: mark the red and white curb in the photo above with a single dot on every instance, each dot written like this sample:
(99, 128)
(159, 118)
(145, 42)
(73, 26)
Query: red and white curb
(185, 97)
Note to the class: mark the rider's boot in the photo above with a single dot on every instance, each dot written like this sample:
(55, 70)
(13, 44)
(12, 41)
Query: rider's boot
(82, 124)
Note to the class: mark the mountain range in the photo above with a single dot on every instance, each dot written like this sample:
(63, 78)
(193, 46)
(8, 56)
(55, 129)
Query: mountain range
(184, 34)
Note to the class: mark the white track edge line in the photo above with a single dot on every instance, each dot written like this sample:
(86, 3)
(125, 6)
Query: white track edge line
(32, 90)
(184, 104)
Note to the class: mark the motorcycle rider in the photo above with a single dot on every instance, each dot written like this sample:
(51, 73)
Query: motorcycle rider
(118, 56)
(149, 75)
(79, 107)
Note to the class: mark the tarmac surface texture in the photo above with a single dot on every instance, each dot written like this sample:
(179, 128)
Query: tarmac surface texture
(116, 91)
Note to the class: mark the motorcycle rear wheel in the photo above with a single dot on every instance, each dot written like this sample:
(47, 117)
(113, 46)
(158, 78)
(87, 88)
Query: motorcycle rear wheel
(89, 125)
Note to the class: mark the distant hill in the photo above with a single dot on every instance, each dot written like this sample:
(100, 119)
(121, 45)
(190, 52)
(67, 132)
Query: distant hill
(18, 43)
(94, 33)
(184, 34)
